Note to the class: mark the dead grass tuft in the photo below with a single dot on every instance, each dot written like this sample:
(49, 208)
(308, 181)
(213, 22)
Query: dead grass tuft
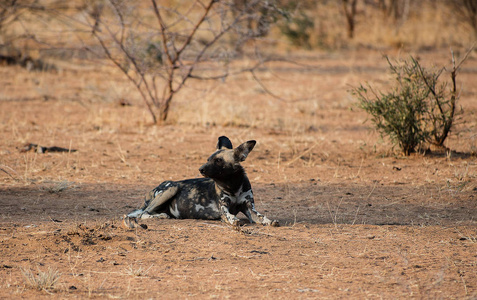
(137, 271)
(42, 280)
(56, 187)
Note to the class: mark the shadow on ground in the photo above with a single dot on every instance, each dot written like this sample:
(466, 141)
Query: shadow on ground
(312, 203)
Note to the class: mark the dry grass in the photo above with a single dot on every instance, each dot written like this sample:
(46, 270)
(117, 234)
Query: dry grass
(137, 271)
(41, 280)
(55, 187)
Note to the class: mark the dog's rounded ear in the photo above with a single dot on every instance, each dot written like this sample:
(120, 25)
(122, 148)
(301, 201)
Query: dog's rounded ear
(224, 143)
(242, 151)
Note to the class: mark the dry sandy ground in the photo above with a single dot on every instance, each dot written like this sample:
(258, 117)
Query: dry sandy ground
(358, 221)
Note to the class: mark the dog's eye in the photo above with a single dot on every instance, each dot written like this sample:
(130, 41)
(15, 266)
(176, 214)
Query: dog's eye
(219, 160)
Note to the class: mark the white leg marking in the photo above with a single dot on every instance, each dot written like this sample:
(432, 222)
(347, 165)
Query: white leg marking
(213, 206)
(228, 217)
(159, 216)
(174, 211)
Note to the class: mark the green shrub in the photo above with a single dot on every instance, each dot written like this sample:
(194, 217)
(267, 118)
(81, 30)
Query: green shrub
(417, 109)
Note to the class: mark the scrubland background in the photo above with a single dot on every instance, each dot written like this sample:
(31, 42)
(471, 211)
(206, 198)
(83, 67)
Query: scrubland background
(359, 220)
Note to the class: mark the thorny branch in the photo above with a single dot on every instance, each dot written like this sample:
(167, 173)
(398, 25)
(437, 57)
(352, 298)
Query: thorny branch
(180, 55)
(446, 116)
(159, 60)
(125, 71)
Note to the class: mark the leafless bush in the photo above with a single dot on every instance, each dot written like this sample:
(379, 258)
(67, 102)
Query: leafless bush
(398, 10)
(467, 9)
(12, 11)
(20, 30)
(159, 48)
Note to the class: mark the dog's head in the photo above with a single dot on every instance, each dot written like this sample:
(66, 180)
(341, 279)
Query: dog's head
(225, 161)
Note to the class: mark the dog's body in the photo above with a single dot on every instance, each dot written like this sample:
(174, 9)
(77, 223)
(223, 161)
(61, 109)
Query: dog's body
(224, 192)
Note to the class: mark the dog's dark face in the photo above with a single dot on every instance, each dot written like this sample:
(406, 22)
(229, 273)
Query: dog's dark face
(225, 161)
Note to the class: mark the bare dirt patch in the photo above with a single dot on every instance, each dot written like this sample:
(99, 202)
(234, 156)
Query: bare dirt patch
(357, 220)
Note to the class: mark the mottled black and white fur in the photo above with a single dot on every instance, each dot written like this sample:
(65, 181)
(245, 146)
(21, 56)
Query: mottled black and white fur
(222, 194)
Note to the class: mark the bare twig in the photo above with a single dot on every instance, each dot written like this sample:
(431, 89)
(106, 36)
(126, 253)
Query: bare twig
(447, 115)
(303, 153)
(2, 169)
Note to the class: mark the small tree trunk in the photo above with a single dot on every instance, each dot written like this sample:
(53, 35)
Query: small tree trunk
(164, 113)
(349, 8)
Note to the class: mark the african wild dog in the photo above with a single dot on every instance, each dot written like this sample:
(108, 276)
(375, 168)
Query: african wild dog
(222, 194)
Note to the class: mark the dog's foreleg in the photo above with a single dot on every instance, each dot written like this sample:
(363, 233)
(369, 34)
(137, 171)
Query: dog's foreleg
(255, 217)
(225, 214)
(227, 217)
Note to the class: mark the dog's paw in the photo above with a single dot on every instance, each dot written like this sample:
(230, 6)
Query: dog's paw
(131, 223)
(234, 222)
(275, 223)
(230, 220)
